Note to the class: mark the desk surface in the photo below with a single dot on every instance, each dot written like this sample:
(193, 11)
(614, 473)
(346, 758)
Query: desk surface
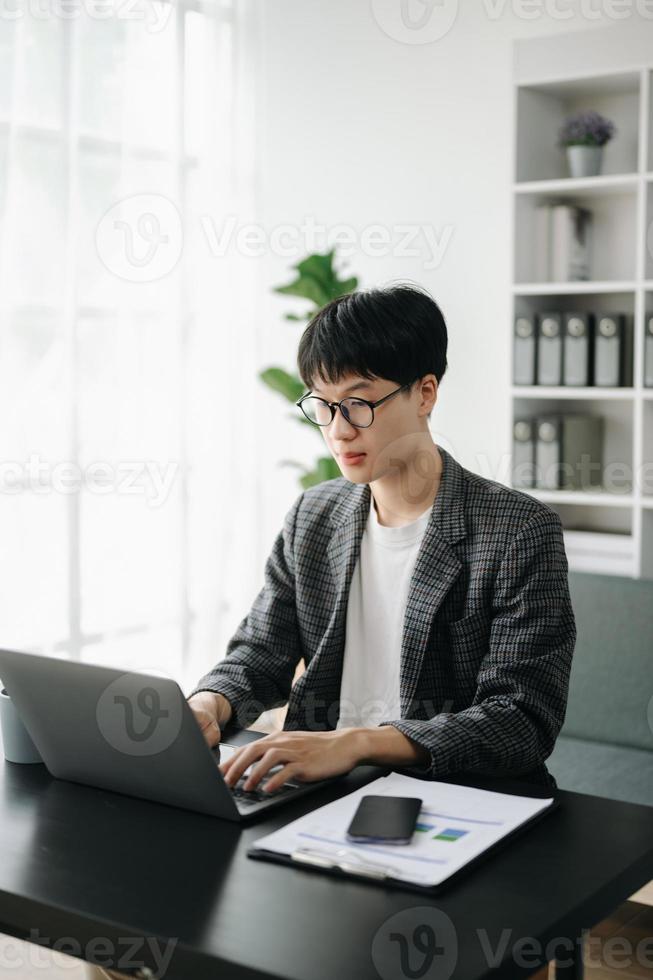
(84, 863)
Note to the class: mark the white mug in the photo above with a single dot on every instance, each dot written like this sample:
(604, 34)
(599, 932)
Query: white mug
(16, 741)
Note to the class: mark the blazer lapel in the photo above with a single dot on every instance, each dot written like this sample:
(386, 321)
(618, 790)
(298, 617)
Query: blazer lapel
(349, 519)
(323, 673)
(436, 569)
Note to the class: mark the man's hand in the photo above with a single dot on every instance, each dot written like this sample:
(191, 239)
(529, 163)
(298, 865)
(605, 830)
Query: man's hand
(304, 757)
(211, 712)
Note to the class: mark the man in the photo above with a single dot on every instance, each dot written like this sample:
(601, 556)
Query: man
(430, 605)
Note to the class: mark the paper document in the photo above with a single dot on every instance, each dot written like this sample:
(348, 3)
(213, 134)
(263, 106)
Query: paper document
(455, 824)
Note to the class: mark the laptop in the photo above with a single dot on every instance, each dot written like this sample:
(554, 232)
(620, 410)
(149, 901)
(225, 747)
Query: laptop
(132, 733)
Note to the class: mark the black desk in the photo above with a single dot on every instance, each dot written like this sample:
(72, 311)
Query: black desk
(96, 866)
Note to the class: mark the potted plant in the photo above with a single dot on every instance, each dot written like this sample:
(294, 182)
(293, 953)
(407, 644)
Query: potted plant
(318, 282)
(584, 135)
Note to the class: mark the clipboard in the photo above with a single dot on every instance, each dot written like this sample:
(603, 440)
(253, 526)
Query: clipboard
(366, 873)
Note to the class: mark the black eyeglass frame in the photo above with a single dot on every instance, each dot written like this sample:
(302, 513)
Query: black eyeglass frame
(334, 405)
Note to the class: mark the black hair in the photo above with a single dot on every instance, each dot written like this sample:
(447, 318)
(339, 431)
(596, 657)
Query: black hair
(395, 332)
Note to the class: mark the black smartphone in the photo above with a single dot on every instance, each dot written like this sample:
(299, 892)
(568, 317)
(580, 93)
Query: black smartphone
(390, 819)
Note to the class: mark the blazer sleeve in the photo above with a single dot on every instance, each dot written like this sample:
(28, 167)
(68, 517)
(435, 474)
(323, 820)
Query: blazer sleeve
(522, 684)
(261, 657)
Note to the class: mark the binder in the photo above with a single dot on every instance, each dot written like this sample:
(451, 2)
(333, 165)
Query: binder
(376, 870)
(578, 349)
(548, 451)
(571, 235)
(648, 352)
(524, 350)
(523, 453)
(549, 349)
(569, 452)
(613, 350)
(542, 251)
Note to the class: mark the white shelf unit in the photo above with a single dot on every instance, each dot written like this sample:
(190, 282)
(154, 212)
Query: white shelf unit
(608, 530)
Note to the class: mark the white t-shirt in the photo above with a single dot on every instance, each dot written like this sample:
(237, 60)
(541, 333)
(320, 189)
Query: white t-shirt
(369, 690)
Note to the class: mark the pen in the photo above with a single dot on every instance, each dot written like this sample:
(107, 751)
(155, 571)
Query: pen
(358, 865)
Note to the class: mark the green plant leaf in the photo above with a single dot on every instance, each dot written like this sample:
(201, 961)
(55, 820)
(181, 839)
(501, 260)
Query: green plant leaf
(328, 468)
(348, 286)
(305, 288)
(317, 280)
(325, 469)
(288, 385)
(309, 480)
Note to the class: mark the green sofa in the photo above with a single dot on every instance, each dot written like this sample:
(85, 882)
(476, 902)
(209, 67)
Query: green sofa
(606, 743)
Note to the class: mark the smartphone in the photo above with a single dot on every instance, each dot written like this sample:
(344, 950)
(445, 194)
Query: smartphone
(387, 819)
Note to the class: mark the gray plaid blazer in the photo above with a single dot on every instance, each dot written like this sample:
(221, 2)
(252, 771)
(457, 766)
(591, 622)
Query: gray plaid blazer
(488, 638)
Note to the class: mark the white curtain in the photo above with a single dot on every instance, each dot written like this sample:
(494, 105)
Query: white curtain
(128, 474)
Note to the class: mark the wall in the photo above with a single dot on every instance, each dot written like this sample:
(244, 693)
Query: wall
(360, 128)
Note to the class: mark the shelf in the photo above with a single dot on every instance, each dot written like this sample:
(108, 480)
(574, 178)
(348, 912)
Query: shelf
(573, 186)
(591, 551)
(583, 498)
(567, 288)
(609, 529)
(544, 391)
(542, 107)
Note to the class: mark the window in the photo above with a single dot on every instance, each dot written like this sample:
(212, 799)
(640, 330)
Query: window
(126, 478)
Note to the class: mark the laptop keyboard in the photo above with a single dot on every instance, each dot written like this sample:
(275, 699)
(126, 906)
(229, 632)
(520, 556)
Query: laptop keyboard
(249, 796)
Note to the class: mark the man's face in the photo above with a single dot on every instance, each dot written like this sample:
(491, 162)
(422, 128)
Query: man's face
(398, 429)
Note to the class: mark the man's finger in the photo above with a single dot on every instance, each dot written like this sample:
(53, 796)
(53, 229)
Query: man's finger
(233, 756)
(227, 763)
(240, 761)
(279, 778)
(273, 759)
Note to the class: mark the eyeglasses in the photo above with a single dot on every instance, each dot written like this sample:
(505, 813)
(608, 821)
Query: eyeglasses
(357, 411)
